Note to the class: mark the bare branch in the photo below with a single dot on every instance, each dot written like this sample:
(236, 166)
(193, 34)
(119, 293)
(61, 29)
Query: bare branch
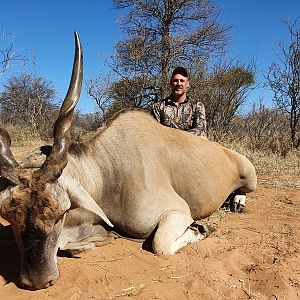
(8, 54)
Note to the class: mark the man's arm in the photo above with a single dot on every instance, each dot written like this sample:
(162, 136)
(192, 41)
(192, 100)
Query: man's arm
(199, 123)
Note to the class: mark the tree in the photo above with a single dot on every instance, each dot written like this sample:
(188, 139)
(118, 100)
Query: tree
(164, 33)
(8, 54)
(266, 129)
(284, 79)
(28, 100)
(127, 93)
(98, 89)
(223, 91)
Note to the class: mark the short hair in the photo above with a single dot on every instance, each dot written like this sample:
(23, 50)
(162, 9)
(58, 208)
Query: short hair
(180, 70)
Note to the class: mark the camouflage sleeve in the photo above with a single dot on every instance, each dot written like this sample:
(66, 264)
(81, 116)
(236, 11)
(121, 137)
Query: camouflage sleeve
(156, 111)
(199, 124)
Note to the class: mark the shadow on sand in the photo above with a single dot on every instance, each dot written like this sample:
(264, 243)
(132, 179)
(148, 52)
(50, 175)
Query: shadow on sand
(9, 256)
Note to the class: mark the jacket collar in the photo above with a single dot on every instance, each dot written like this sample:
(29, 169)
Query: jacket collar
(170, 101)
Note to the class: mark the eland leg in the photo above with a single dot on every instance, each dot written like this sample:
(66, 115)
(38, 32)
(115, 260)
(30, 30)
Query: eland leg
(85, 237)
(238, 203)
(235, 202)
(176, 230)
(88, 244)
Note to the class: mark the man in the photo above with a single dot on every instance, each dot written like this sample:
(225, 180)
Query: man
(177, 110)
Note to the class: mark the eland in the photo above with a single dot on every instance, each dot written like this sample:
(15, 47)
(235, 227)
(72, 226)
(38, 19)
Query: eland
(134, 176)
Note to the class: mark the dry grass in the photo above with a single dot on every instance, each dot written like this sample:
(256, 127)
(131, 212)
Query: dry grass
(24, 141)
(266, 162)
(284, 171)
(21, 135)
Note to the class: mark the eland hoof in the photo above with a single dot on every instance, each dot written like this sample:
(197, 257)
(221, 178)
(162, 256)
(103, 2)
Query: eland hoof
(203, 229)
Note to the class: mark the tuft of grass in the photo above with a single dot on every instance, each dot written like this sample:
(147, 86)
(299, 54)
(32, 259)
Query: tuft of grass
(23, 140)
(22, 135)
(267, 162)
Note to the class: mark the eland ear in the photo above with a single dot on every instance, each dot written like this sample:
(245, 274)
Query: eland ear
(78, 194)
(4, 195)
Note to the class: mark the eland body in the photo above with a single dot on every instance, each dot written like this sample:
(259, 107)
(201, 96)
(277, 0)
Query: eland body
(134, 176)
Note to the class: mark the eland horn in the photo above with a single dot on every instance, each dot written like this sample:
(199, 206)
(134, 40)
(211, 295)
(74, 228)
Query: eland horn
(57, 160)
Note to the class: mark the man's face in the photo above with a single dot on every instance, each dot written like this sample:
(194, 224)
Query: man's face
(179, 84)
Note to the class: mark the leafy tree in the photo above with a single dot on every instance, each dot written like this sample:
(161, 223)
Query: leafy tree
(28, 100)
(284, 80)
(126, 93)
(88, 121)
(223, 91)
(132, 91)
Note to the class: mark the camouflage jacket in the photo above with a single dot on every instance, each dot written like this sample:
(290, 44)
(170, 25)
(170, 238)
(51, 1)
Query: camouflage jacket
(187, 116)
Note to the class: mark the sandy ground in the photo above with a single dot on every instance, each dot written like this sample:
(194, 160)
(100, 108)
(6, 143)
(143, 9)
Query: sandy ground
(254, 255)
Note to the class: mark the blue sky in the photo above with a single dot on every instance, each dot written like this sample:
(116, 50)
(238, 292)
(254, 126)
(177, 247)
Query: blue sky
(44, 29)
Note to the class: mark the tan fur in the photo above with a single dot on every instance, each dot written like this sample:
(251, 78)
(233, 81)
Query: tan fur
(142, 175)
(80, 148)
(86, 158)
